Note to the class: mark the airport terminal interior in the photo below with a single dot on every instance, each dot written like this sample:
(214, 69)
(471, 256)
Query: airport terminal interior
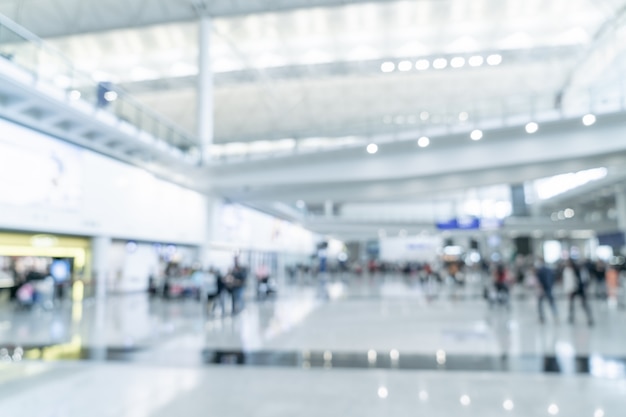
(312, 207)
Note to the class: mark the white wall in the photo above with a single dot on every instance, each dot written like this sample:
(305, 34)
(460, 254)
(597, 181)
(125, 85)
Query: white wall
(239, 227)
(50, 186)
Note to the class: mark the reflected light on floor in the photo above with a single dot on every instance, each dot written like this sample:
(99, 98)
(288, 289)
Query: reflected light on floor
(441, 356)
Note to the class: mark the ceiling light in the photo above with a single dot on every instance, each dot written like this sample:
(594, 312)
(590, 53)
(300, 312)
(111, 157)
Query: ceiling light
(422, 64)
(476, 61)
(394, 354)
(494, 59)
(508, 405)
(372, 148)
(382, 392)
(599, 413)
(440, 63)
(424, 115)
(423, 142)
(532, 127)
(553, 409)
(476, 134)
(465, 400)
(405, 66)
(568, 213)
(388, 67)
(457, 62)
(589, 119)
(463, 116)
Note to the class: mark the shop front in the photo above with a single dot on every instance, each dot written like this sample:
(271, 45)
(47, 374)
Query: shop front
(32, 257)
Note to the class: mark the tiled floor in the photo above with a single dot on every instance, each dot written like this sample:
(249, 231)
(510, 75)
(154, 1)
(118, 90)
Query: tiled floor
(166, 373)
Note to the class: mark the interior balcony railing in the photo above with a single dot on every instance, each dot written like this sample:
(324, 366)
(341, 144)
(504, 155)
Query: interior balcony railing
(47, 68)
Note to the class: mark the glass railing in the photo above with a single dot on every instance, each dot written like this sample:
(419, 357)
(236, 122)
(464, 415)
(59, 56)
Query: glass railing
(51, 68)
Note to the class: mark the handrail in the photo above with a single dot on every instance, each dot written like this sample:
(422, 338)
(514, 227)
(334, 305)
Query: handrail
(124, 106)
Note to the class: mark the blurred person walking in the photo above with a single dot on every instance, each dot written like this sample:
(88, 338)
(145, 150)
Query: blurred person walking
(545, 278)
(574, 286)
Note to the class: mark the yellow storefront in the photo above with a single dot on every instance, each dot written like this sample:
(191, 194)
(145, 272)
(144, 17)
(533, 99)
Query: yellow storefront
(75, 249)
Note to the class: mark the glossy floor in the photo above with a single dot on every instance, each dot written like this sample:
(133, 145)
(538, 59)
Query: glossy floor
(363, 347)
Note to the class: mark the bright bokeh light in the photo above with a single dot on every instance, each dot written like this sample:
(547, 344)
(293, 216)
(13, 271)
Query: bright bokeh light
(476, 61)
(457, 62)
(553, 409)
(387, 67)
(508, 405)
(494, 59)
(422, 64)
(405, 66)
(423, 394)
(110, 96)
(598, 413)
(552, 186)
(532, 127)
(383, 392)
(440, 63)
(476, 134)
(74, 95)
(589, 119)
(463, 116)
(465, 400)
(423, 142)
(372, 148)
(394, 354)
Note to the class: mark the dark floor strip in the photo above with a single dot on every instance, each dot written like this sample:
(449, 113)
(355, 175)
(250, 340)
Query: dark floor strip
(595, 365)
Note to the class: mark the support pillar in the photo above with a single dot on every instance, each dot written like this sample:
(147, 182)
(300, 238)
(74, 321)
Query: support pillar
(212, 210)
(100, 249)
(328, 208)
(204, 105)
(620, 207)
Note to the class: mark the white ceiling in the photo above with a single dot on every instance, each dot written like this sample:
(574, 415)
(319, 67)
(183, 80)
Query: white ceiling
(292, 69)
(315, 72)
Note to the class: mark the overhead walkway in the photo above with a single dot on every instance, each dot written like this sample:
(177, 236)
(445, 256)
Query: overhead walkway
(41, 89)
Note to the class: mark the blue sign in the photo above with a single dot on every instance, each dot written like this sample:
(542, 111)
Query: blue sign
(462, 223)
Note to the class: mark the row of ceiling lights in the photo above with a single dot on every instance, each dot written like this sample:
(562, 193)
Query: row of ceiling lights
(477, 134)
(423, 116)
(440, 63)
(568, 213)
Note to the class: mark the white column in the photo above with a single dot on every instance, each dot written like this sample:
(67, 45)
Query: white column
(100, 249)
(212, 210)
(328, 208)
(204, 100)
